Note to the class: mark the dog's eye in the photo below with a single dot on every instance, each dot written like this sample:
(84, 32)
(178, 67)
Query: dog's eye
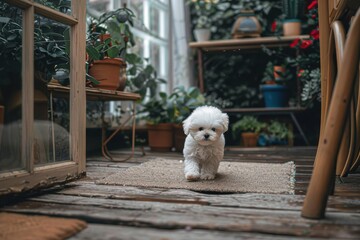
(200, 128)
(214, 129)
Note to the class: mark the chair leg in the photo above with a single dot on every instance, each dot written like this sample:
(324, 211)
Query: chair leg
(318, 190)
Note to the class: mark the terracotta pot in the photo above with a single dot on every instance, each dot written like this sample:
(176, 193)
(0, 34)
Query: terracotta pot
(160, 137)
(270, 82)
(278, 69)
(179, 137)
(292, 27)
(249, 139)
(109, 72)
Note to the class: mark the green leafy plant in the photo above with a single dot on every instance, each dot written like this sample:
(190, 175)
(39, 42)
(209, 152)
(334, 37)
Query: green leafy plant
(278, 130)
(268, 75)
(183, 102)
(308, 59)
(247, 124)
(311, 88)
(279, 57)
(51, 52)
(156, 110)
(117, 23)
(142, 77)
(293, 9)
(203, 10)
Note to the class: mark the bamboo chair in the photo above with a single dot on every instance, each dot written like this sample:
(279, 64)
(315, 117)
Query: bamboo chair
(338, 148)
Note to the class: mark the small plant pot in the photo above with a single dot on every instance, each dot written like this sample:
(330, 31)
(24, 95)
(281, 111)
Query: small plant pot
(270, 82)
(291, 27)
(275, 95)
(202, 34)
(110, 72)
(160, 137)
(249, 139)
(277, 70)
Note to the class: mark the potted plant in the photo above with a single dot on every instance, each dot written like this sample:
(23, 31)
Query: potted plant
(160, 129)
(249, 127)
(202, 23)
(183, 102)
(142, 77)
(276, 94)
(278, 133)
(293, 11)
(268, 75)
(106, 54)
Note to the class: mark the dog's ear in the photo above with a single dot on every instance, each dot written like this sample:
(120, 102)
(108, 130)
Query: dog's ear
(186, 125)
(225, 121)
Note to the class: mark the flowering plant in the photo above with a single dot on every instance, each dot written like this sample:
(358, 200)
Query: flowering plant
(204, 9)
(308, 59)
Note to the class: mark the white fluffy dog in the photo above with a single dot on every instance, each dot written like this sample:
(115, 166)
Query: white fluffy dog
(204, 144)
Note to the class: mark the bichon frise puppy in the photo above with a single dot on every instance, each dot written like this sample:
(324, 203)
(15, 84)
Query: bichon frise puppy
(204, 144)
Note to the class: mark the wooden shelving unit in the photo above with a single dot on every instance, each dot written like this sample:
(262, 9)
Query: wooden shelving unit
(239, 46)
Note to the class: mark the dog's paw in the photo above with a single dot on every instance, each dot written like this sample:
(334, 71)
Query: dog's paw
(207, 176)
(192, 176)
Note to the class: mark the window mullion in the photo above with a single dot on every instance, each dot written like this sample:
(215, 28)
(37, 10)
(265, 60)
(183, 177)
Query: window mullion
(27, 155)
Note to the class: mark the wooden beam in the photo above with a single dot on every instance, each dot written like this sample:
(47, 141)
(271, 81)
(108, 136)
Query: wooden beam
(27, 105)
(77, 85)
(45, 11)
(19, 181)
(324, 45)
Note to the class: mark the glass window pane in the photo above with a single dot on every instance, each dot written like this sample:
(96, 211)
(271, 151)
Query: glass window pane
(10, 87)
(137, 6)
(155, 56)
(155, 21)
(52, 65)
(63, 6)
(139, 46)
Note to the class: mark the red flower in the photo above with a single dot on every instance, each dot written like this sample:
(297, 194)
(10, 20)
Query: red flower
(312, 4)
(294, 43)
(273, 26)
(315, 34)
(305, 44)
(300, 72)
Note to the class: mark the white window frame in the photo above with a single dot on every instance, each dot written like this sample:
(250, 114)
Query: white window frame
(163, 41)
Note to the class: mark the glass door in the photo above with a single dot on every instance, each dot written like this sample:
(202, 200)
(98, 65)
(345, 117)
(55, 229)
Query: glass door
(42, 139)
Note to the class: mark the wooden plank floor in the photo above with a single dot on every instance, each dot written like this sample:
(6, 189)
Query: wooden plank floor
(117, 212)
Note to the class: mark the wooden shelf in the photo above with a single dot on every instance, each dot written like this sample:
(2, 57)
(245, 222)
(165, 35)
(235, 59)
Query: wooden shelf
(95, 94)
(264, 110)
(245, 43)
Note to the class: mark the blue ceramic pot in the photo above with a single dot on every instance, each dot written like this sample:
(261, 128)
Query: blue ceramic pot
(275, 95)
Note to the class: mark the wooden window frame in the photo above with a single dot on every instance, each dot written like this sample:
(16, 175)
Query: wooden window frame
(32, 176)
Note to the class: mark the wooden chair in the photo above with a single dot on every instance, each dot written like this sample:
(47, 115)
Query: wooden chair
(339, 144)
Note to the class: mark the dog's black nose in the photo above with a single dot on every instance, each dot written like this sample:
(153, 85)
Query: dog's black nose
(206, 136)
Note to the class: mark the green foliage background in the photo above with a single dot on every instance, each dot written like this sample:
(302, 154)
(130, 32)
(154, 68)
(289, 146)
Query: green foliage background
(234, 76)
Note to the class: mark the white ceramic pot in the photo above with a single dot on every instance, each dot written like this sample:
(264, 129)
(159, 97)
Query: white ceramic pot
(202, 34)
